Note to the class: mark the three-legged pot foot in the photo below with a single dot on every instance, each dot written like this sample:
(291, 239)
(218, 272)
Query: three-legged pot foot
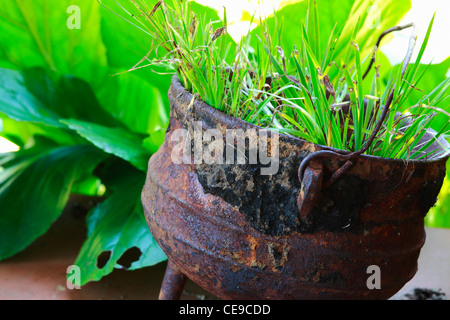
(173, 283)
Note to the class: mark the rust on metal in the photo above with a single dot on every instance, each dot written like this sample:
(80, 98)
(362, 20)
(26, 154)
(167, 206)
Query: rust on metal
(173, 283)
(239, 234)
(311, 178)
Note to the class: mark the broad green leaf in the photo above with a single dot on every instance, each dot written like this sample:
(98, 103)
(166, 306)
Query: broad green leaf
(47, 39)
(434, 75)
(376, 16)
(118, 26)
(137, 103)
(42, 28)
(19, 103)
(37, 96)
(114, 140)
(126, 46)
(35, 185)
(21, 133)
(439, 215)
(90, 186)
(335, 14)
(154, 141)
(116, 225)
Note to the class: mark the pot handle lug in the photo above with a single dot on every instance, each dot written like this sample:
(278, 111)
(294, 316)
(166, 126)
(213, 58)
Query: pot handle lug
(311, 179)
(311, 176)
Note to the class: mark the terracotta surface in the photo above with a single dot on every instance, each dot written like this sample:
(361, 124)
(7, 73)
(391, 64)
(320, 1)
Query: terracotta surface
(39, 271)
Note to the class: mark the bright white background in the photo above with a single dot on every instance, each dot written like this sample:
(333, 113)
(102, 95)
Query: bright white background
(438, 48)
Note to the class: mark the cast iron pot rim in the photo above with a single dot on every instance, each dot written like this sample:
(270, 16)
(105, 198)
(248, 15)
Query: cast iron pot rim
(181, 91)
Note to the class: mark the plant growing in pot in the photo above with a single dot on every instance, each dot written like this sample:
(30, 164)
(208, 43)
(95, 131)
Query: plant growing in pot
(288, 173)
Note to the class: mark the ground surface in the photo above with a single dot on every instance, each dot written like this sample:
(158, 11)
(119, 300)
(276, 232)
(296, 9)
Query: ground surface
(39, 271)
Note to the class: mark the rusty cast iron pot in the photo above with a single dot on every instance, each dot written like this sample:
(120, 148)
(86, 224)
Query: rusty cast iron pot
(241, 235)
